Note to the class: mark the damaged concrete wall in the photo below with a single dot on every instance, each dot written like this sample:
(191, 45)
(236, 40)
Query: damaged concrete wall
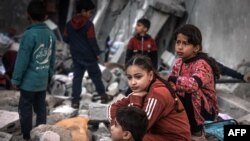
(157, 11)
(225, 28)
(13, 15)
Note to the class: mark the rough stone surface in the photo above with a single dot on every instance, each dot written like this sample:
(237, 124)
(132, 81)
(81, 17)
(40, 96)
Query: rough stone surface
(9, 100)
(5, 136)
(98, 112)
(9, 121)
(65, 134)
(66, 110)
(49, 136)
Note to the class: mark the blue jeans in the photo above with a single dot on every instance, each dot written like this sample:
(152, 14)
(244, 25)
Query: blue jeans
(26, 102)
(79, 68)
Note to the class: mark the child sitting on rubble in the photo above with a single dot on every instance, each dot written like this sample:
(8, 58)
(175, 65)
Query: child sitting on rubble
(193, 76)
(167, 118)
(130, 124)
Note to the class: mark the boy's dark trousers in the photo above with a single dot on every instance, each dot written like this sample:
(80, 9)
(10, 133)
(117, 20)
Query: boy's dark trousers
(94, 72)
(27, 101)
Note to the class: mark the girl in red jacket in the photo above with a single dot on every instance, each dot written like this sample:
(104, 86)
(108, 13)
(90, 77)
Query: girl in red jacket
(194, 76)
(168, 120)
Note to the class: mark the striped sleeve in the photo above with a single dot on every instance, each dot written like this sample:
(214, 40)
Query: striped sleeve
(112, 109)
(153, 108)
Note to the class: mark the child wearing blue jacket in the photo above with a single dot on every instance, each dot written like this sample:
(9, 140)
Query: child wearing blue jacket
(33, 68)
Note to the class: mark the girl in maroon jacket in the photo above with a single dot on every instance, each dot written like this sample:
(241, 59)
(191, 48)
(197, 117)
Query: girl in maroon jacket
(194, 76)
(168, 120)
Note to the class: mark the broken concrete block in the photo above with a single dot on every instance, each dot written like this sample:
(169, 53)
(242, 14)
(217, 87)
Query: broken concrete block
(53, 101)
(78, 127)
(66, 110)
(107, 75)
(103, 133)
(5, 136)
(54, 118)
(123, 84)
(9, 121)
(38, 132)
(50, 136)
(9, 100)
(98, 112)
(113, 89)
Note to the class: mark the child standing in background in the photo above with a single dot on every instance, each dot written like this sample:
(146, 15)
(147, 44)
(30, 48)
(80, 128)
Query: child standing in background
(130, 124)
(80, 34)
(194, 75)
(142, 43)
(166, 115)
(34, 67)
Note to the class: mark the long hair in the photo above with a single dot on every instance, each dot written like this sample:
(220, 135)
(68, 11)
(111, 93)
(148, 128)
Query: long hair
(145, 63)
(195, 38)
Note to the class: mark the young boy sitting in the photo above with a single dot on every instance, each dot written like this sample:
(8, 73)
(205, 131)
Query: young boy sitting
(130, 124)
(142, 43)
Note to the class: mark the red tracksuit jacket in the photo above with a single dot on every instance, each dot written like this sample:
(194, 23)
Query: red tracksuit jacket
(165, 124)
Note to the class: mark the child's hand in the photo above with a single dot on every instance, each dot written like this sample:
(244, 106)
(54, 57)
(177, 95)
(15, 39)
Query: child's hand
(15, 87)
(142, 94)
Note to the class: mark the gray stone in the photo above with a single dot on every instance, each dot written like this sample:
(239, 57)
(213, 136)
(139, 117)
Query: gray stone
(5, 136)
(9, 121)
(38, 132)
(54, 101)
(232, 105)
(66, 110)
(50, 136)
(98, 112)
(244, 120)
(54, 118)
(9, 100)
(103, 133)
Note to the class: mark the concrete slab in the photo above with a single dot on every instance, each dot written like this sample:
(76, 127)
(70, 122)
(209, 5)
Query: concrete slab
(233, 105)
(9, 121)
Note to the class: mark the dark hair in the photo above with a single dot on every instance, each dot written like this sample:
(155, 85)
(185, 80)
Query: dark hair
(144, 22)
(134, 120)
(145, 63)
(195, 38)
(37, 10)
(84, 5)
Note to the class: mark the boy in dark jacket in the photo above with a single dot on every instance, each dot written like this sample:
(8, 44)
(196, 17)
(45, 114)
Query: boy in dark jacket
(33, 68)
(80, 34)
(142, 43)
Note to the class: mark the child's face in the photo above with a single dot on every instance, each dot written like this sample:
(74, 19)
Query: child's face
(117, 133)
(140, 28)
(138, 78)
(87, 14)
(184, 49)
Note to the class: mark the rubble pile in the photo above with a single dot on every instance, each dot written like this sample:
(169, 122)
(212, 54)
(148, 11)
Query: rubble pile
(91, 117)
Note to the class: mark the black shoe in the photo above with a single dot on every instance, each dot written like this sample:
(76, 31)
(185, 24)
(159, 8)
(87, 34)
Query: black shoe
(96, 97)
(26, 137)
(106, 98)
(75, 105)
